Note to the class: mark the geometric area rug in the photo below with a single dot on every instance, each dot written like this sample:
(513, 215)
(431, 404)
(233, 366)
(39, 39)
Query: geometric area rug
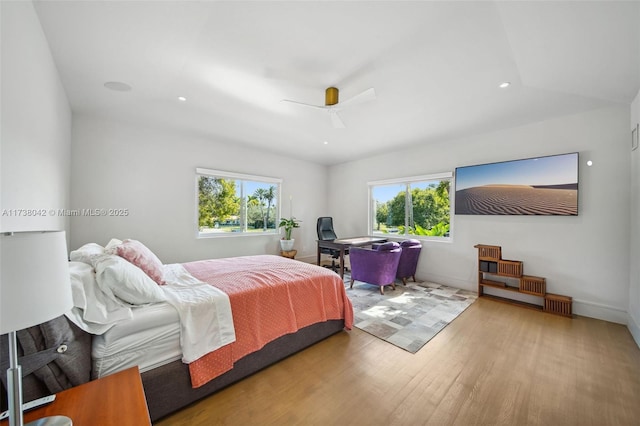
(411, 315)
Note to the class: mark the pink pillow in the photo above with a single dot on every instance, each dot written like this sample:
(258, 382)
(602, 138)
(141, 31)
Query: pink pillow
(138, 254)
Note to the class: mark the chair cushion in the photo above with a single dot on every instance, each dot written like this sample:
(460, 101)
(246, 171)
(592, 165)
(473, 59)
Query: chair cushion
(391, 245)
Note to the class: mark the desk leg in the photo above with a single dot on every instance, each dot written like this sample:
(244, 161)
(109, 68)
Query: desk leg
(342, 263)
(318, 250)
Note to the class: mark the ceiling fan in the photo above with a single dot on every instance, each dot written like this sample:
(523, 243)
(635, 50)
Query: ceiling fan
(332, 106)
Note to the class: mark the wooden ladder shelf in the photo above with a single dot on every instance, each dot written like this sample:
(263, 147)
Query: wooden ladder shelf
(490, 262)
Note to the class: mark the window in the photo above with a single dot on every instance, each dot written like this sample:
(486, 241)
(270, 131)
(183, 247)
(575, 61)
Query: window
(236, 204)
(417, 206)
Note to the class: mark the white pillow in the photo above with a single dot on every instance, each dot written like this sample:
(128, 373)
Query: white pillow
(86, 253)
(120, 278)
(112, 246)
(93, 310)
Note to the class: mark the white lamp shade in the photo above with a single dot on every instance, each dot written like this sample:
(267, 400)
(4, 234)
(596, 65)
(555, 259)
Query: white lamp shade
(35, 286)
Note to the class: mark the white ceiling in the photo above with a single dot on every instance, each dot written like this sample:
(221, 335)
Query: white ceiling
(435, 67)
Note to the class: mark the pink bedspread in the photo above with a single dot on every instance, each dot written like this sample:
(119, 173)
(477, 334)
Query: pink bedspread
(270, 296)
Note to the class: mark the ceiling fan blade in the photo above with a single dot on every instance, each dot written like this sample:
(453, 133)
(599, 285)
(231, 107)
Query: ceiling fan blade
(303, 104)
(367, 95)
(335, 119)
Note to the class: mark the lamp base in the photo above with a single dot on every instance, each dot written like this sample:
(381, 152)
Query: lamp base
(52, 421)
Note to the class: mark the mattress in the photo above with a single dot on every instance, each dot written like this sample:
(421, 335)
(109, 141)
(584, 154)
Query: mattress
(150, 339)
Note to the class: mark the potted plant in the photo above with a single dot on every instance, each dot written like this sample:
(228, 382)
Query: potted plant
(286, 243)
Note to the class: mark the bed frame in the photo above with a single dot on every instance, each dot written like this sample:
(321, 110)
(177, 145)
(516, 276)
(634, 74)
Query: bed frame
(167, 388)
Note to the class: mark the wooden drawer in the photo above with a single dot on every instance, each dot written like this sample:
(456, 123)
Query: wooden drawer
(489, 252)
(557, 304)
(533, 285)
(510, 268)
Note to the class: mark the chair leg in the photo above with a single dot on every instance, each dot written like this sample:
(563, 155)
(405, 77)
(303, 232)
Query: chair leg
(351, 285)
(404, 280)
(414, 278)
(393, 286)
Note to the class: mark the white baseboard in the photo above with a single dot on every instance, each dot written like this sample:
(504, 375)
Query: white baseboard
(580, 307)
(634, 328)
(461, 284)
(600, 311)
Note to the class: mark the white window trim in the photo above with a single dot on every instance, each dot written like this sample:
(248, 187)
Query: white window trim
(239, 176)
(421, 178)
(433, 176)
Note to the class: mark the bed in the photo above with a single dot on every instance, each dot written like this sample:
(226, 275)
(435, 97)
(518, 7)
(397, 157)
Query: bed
(197, 327)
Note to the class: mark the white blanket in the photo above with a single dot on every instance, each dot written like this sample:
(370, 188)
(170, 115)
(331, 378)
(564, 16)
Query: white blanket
(206, 323)
(93, 311)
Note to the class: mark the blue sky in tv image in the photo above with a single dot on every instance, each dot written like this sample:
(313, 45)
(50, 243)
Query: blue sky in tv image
(552, 170)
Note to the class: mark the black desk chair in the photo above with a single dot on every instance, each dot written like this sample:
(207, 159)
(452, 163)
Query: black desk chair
(326, 233)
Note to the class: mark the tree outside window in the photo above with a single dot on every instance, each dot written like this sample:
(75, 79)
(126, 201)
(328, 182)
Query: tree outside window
(235, 203)
(418, 207)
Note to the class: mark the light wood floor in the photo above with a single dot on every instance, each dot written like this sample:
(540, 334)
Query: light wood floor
(496, 364)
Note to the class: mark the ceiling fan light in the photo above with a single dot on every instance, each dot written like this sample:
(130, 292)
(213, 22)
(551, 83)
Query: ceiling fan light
(331, 96)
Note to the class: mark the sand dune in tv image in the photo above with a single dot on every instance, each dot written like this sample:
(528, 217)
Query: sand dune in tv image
(517, 200)
(532, 186)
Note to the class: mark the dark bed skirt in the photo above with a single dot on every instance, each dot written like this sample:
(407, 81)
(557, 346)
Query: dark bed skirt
(168, 388)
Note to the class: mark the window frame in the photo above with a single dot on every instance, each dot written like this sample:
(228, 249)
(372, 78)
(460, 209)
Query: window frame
(371, 211)
(243, 177)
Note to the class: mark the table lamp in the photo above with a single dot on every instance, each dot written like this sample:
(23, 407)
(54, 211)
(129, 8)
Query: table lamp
(34, 288)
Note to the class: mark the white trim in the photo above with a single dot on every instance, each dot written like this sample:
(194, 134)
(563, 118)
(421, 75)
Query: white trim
(241, 176)
(434, 176)
(600, 311)
(634, 328)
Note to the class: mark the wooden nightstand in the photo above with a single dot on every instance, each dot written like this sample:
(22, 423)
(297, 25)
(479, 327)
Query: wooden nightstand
(117, 399)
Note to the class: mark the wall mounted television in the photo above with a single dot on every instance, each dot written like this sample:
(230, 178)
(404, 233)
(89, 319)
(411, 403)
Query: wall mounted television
(532, 186)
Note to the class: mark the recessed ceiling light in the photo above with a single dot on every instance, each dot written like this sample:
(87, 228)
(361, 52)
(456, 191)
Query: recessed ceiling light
(182, 99)
(505, 85)
(118, 86)
(325, 142)
(589, 163)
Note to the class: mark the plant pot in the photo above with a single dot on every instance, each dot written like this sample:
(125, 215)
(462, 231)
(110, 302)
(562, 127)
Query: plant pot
(287, 245)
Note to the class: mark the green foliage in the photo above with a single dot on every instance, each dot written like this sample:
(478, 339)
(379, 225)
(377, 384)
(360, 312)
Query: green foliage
(261, 195)
(438, 230)
(428, 214)
(396, 210)
(382, 213)
(288, 225)
(217, 200)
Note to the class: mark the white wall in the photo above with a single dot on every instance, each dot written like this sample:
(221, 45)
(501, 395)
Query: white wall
(584, 256)
(634, 251)
(35, 128)
(151, 172)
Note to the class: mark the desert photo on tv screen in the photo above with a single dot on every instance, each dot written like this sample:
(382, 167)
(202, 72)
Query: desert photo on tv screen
(532, 186)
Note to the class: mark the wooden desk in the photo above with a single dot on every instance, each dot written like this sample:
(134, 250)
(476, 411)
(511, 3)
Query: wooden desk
(343, 244)
(117, 399)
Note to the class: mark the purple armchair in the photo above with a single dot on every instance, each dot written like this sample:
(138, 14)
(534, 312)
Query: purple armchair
(377, 266)
(408, 260)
